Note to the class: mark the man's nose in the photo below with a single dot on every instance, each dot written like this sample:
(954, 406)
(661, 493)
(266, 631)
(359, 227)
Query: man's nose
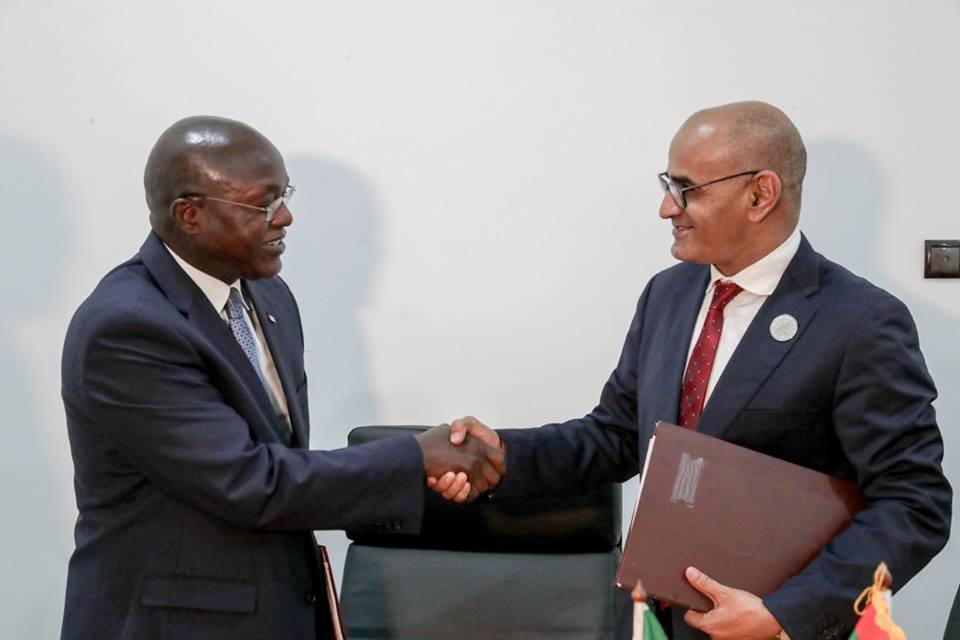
(283, 217)
(668, 207)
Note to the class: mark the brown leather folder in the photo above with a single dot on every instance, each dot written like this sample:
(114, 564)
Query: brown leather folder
(747, 520)
(333, 602)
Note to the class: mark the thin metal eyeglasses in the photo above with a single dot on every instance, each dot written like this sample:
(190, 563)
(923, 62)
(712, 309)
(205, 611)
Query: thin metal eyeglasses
(268, 211)
(679, 193)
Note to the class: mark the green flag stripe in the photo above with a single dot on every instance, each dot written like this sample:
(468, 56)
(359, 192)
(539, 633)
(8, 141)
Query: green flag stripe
(651, 627)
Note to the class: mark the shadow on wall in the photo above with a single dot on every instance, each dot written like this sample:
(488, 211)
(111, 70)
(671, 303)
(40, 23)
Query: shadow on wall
(331, 266)
(34, 536)
(845, 209)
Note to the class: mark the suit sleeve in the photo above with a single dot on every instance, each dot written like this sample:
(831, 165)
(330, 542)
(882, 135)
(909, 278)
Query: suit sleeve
(582, 454)
(149, 397)
(887, 428)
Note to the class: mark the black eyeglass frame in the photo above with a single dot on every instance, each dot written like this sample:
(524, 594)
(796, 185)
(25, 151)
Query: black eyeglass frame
(679, 194)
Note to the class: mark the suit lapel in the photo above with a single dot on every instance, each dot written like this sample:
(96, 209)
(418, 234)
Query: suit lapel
(273, 324)
(191, 302)
(759, 353)
(672, 341)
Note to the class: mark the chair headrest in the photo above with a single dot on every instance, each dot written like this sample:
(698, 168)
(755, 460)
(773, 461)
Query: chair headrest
(567, 523)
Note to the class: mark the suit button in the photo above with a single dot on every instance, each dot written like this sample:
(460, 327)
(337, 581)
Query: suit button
(311, 598)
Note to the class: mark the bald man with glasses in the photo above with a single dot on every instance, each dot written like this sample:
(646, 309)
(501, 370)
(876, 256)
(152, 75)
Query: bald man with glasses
(186, 405)
(757, 339)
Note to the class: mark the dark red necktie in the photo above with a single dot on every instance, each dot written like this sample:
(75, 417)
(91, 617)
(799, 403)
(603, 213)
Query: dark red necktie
(695, 380)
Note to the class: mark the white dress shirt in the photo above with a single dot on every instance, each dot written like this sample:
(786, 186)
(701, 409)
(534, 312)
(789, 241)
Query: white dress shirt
(217, 292)
(757, 281)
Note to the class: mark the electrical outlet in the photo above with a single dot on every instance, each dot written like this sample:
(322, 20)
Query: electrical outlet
(941, 259)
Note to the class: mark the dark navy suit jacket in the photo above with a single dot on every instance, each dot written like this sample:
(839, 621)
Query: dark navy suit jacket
(195, 514)
(849, 395)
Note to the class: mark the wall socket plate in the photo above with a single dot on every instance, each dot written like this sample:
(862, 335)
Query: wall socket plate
(941, 259)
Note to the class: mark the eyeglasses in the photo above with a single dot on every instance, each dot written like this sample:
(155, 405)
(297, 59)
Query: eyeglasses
(269, 211)
(679, 192)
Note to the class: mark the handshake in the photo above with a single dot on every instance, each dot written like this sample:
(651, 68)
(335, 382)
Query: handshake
(462, 460)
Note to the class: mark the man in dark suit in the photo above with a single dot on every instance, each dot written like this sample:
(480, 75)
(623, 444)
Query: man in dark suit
(186, 405)
(757, 339)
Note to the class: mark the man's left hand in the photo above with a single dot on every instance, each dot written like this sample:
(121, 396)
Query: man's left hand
(736, 614)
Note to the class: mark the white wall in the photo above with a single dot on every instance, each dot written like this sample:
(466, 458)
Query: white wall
(476, 205)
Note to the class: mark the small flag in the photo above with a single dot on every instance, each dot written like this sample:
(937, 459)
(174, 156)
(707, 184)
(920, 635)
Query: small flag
(645, 624)
(873, 607)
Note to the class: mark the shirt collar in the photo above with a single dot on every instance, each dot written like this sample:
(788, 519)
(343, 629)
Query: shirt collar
(216, 291)
(762, 277)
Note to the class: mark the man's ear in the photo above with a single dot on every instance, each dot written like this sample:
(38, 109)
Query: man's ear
(766, 190)
(185, 215)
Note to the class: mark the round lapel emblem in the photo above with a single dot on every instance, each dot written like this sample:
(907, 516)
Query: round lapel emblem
(784, 327)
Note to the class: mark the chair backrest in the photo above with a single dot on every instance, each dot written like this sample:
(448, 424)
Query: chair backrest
(490, 570)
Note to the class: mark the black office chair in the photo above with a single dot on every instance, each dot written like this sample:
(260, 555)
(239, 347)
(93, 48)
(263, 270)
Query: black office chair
(490, 570)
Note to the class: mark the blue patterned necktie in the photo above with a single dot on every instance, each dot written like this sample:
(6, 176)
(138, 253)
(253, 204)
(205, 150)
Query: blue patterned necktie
(241, 331)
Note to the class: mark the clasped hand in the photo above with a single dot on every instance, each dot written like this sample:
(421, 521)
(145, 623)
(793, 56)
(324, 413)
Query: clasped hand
(457, 485)
(461, 466)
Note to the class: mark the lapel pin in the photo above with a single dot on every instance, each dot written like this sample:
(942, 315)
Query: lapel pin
(274, 320)
(784, 327)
